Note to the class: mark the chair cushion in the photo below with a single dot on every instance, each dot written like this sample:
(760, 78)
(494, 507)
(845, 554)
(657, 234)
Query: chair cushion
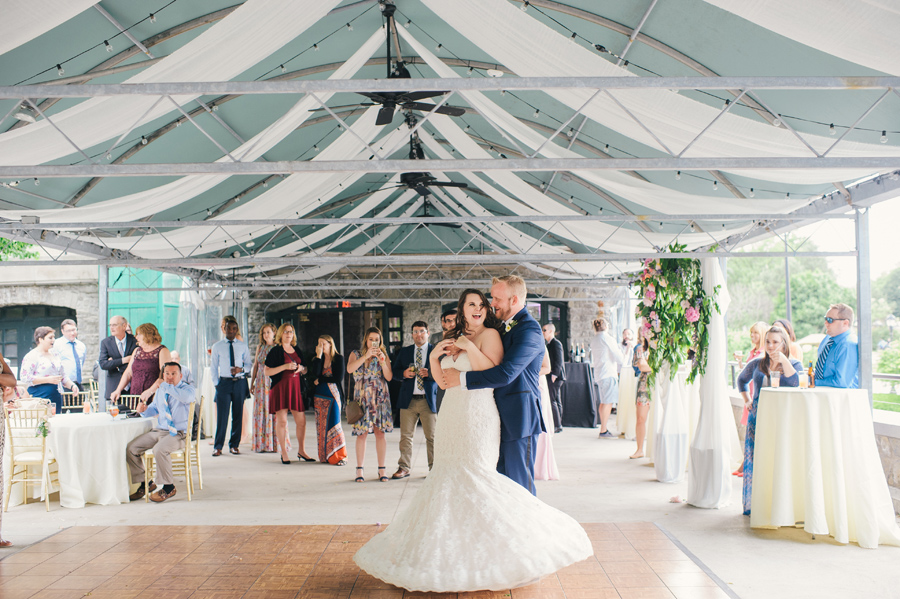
(32, 457)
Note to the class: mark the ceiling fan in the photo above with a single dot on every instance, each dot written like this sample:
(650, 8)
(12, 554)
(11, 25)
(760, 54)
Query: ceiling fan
(390, 101)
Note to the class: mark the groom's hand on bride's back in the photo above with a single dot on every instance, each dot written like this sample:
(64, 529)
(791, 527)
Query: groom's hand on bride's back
(450, 379)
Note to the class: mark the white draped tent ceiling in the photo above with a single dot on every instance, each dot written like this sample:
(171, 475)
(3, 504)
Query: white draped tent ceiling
(571, 179)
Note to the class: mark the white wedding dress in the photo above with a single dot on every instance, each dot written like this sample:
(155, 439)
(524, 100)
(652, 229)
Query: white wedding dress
(469, 528)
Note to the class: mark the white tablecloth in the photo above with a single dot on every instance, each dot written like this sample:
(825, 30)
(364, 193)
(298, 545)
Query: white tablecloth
(690, 401)
(816, 462)
(208, 391)
(90, 451)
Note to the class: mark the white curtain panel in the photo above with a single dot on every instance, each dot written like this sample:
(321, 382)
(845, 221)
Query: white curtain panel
(861, 31)
(228, 48)
(152, 201)
(531, 49)
(24, 20)
(656, 198)
(715, 449)
(298, 193)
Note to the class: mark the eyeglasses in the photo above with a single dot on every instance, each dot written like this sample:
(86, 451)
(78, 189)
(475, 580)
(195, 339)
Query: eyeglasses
(830, 320)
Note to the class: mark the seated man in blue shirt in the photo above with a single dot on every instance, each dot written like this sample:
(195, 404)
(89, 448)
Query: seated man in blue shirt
(837, 364)
(170, 407)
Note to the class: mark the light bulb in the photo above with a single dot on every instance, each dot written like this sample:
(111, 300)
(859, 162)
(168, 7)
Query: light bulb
(606, 148)
(215, 108)
(470, 69)
(266, 183)
(727, 104)
(502, 92)
(524, 6)
(574, 35)
(152, 18)
(109, 48)
(777, 121)
(787, 196)
(570, 132)
(37, 182)
(601, 210)
(316, 47)
(678, 175)
(349, 27)
(208, 212)
(407, 24)
(467, 128)
(831, 129)
(108, 156)
(340, 127)
(715, 185)
(250, 244)
(752, 195)
(283, 69)
(316, 148)
(60, 70)
(537, 113)
(143, 140)
(438, 47)
(884, 137)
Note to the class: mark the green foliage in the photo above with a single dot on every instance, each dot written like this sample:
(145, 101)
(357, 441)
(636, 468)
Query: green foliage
(888, 287)
(812, 292)
(16, 249)
(889, 362)
(886, 401)
(675, 312)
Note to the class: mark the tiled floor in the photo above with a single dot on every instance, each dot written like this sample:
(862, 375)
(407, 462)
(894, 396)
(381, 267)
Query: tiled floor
(631, 560)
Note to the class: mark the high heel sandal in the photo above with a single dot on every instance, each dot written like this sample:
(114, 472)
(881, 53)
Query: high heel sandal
(359, 478)
(305, 459)
(382, 476)
(284, 461)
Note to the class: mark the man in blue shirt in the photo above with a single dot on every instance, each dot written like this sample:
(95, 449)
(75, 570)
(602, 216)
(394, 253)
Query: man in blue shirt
(170, 407)
(230, 368)
(837, 364)
(71, 352)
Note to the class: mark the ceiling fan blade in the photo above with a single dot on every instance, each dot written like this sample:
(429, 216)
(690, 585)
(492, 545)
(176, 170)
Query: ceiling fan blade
(422, 190)
(360, 105)
(413, 96)
(451, 110)
(448, 184)
(448, 110)
(385, 115)
(382, 97)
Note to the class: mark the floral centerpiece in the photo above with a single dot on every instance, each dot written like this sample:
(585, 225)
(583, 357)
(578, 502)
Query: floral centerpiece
(675, 313)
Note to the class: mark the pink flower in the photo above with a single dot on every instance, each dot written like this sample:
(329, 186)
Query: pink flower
(646, 325)
(650, 295)
(663, 283)
(653, 315)
(653, 343)
(691, 314)
(685, 304)
(651, 287)
(648, 302)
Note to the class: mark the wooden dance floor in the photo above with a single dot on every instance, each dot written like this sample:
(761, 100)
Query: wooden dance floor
(631, 560)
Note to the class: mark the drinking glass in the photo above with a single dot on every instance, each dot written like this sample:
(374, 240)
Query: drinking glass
(804, 380)
(113, 410)
(775, 377)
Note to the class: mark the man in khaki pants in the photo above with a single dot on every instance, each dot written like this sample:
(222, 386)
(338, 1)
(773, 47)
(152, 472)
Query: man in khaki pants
(418, 400)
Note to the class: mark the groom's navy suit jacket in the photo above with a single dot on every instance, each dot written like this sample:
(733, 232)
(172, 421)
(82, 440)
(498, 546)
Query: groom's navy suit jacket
(515, 379)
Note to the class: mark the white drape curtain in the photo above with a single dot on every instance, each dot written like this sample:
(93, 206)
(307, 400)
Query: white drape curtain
(529, 48)
(24, 20)
(861, 31)
(152, 201)
(654, 197)
(715, 450)
(228, 48)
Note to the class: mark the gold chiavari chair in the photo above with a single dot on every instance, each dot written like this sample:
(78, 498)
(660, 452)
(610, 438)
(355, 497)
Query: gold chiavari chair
(180, 466)
(130, 401)
(195, 445)
(29, 451)
(75, 403)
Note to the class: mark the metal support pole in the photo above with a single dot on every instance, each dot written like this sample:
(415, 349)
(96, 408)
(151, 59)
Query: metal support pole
(864, 301)
(787, 281)
(341, 332)
(103, 311)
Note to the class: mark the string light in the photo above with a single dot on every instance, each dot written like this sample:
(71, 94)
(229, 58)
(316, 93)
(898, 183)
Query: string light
(106, 43)
(438, 47)
(349, 27)
(831, 129)
(777, 121)
(470, 69)
(570, 132)
(466, 130)
(143, 140)
(215, 108)
(315, 47)
(60, 70)
(283, 69)
(265, 183)
(727, 104)
(152, 18)
(37, 182)
(537, 113)
(407, 24)
(108, 156)
(787, 196)
(208, 212)
(752, 195)
(678, 175)
(715, 185)
(316, 148)
(884, 137)
(525, 6)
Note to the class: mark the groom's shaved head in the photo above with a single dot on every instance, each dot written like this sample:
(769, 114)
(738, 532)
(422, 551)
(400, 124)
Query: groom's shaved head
(516, 286)
(507, 296)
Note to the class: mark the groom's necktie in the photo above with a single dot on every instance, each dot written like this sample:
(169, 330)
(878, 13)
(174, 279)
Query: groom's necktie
(820, 361)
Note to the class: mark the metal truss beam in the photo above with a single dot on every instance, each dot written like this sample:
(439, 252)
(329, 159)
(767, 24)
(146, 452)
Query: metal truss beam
(876, 163)
(453, 84)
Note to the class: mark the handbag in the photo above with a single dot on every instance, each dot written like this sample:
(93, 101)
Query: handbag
(354, 412)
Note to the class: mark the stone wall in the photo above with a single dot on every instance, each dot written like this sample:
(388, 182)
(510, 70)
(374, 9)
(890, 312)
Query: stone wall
(429, 312)
(81, 297)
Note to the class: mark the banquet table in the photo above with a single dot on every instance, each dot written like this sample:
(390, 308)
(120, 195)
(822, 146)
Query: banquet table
(579, 396)
(816, 465)
(90, 453)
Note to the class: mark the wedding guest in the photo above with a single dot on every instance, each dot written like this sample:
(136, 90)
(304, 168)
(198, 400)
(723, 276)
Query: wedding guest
(627, 345)
(116, 353)
(757, 343)
(607, 361)
(144, 371)
(8, 382)
(448, 323)
(42, 369)
(371, 372)
(284, 365)
(170, 407)
(417, 400)
(72, 351)
(545, 460)
(642, 396)
(556, 378)
(328, 378)
(796, 350)
(263, 421)
(230, 365)
(625, 408)
(837, 361)
(775, 360)
(246, 415)
(186, 375)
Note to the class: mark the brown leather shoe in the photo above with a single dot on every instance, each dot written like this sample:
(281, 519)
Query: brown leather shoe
(139, 494)
(235, 451)
(400, 473)
(5, 543)
(161, 496)
(217, 453)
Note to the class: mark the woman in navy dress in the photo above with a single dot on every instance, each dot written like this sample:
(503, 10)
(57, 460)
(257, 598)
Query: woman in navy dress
(758, 370)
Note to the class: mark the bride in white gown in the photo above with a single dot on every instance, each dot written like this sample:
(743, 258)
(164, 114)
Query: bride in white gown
(470, 528)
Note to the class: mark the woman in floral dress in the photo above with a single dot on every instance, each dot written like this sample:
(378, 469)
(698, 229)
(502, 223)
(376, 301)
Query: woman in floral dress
(263, 422)
(642, 396)
(327, 372)
(371, 372)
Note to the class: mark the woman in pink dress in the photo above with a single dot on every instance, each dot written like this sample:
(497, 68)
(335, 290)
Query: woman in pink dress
(284, 365)
(146, 365)
(263, 421)
(545, 460)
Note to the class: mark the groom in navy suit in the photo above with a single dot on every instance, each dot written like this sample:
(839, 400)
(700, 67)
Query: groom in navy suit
(514, 380)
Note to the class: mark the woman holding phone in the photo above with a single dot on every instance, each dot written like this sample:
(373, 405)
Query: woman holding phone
(371, 372)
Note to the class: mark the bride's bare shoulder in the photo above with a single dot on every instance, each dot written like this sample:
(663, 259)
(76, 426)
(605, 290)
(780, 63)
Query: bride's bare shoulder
(489, 335)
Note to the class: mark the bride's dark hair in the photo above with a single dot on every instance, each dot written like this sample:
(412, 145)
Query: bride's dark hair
(490, 320)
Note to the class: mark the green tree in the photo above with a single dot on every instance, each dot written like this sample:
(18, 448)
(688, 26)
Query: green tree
(16, 249)
(812, 292)
(888, 287)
